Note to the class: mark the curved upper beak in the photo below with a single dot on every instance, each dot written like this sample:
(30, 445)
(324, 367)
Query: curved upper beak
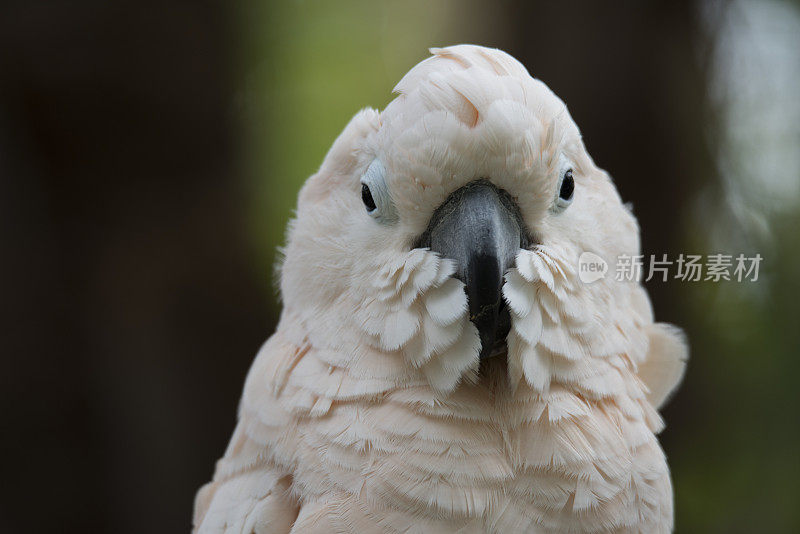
(480, 228)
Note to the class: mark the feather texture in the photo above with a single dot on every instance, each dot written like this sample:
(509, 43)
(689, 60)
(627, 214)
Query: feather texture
(369, 411)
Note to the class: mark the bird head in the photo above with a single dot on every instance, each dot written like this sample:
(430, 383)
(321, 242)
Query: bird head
(445, 231)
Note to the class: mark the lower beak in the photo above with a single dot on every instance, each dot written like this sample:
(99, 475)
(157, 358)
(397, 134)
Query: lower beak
(480, 228)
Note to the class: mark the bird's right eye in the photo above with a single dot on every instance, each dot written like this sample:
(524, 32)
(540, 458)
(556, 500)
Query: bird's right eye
(375, 194)
(366, 197)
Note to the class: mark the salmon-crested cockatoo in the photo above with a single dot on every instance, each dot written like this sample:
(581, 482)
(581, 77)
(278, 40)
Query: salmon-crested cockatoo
(439, 365)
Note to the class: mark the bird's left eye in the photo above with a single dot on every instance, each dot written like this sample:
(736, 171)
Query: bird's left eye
(567, 186)
(566, 190)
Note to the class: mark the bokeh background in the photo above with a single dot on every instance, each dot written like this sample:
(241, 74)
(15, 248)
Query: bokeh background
(150, 157)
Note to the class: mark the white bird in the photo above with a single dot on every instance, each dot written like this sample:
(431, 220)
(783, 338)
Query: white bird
(439, 365)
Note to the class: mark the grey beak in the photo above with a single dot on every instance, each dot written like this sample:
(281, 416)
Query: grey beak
(480, 228)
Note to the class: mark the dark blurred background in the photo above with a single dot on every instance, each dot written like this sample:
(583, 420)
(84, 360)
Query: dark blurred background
(151, 153)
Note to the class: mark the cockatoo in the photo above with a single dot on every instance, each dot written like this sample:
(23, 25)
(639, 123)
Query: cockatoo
(439, 365)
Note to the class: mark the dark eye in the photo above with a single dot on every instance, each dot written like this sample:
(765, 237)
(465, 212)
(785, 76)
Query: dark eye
(567, 186)
(366, 196)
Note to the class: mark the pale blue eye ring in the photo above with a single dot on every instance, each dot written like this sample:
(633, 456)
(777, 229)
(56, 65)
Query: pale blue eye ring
(565, 190)
(375, 193)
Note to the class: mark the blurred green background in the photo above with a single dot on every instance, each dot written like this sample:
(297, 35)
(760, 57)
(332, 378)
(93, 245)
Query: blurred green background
(151, 154)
